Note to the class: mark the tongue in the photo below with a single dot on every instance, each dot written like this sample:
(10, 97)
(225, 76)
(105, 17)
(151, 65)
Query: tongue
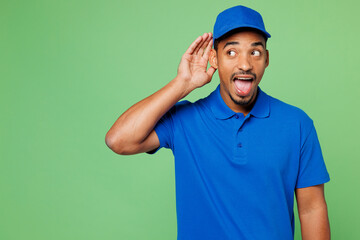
(243, 86)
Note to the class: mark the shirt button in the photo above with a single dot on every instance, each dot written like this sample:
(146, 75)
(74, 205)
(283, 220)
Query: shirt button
(239, 145)
(236, 116)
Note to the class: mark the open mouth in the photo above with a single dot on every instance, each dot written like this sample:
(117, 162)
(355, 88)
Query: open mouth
(243, 84)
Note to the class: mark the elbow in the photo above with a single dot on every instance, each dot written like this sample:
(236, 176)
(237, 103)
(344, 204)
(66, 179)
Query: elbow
(119, 145)
(114, 143)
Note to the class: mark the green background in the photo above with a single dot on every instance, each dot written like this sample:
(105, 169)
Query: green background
(68, 69)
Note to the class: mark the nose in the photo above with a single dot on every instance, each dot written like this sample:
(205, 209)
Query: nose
(244, 63)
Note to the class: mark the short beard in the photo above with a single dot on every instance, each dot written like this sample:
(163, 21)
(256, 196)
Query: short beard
(243, 102)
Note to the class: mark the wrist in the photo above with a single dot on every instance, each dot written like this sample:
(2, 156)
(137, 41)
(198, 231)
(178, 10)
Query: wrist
(183, 86)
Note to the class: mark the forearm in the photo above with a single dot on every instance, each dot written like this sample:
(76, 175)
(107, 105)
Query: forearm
(134, 125)
(133, 132)
(315, 224)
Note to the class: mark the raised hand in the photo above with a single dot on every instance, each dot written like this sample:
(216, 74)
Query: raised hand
(193, 65)
(133, 132)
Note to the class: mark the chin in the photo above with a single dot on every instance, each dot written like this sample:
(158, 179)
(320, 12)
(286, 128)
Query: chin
(243, 100)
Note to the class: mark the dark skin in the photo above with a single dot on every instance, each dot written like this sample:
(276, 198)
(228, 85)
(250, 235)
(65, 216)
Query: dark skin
(313, 214)
(133, 132)
(242, 54)
(245, 54)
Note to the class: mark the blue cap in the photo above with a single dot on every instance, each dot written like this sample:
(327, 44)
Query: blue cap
(238, 17)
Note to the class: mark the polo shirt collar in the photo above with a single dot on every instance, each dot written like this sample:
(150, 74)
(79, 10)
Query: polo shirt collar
(261, 108)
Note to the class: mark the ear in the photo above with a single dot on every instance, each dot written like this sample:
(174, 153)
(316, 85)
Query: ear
(267, 58)
(213, 59)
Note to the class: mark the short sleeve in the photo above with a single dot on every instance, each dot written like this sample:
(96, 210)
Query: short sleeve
(312, 170)
(165, 130)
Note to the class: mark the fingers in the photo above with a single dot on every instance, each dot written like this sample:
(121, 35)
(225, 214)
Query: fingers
(199, 44)
(210, 72)
(208, 48)
(193, 46)
(206, 43)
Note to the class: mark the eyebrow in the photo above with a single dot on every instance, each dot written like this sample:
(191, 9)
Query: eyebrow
(230, 43)
(258, 44)
(237, 43)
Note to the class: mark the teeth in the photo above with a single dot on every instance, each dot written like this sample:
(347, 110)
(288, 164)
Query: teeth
(243, 78)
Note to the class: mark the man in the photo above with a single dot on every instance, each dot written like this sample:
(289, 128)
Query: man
(239, 154)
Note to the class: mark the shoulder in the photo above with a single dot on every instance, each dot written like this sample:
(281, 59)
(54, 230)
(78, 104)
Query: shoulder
(287, 111)
(183, 105)
(289, 115)
(186, 106)
(181, 108)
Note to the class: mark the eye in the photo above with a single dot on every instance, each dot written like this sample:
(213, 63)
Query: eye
(231, 53)
(256, 53)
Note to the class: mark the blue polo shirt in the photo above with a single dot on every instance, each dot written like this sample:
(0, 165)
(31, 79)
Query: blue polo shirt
(236, 175)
